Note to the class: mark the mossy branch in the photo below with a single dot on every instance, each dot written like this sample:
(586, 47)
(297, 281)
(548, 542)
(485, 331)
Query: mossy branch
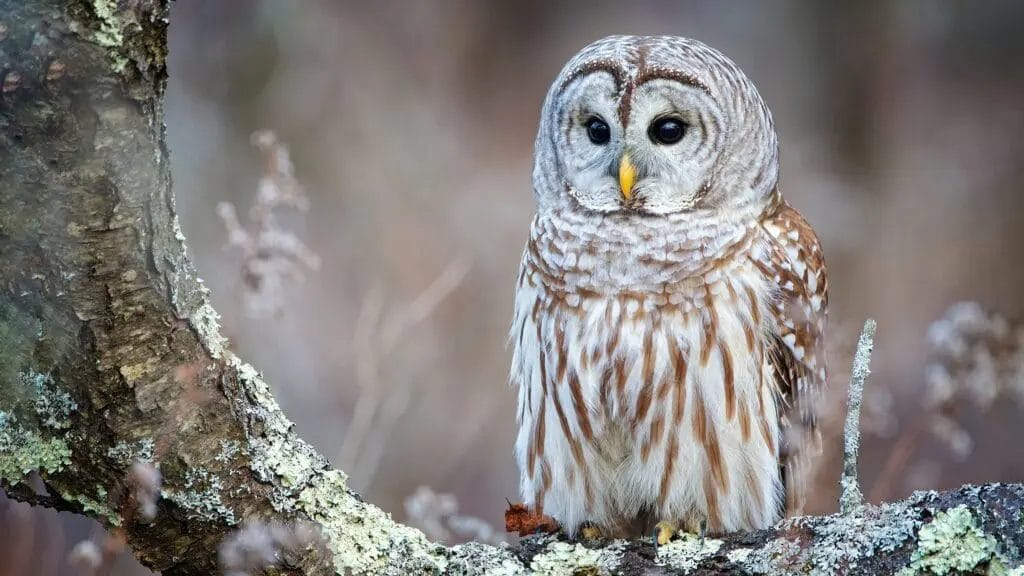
(851, 498)
(110, 354)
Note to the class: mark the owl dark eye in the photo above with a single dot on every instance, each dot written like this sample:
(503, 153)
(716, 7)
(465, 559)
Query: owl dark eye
(598, 131)
(667, 130)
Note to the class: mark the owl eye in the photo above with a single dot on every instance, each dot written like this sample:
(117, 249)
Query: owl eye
(666, 130)
(598, 131)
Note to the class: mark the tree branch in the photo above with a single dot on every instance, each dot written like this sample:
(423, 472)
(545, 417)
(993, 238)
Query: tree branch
(111, 354)
(851, 497)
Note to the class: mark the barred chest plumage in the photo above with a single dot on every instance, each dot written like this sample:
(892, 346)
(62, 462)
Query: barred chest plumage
(645, 390)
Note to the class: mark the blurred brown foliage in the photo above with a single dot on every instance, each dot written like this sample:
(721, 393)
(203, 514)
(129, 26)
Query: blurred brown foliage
(411, 128)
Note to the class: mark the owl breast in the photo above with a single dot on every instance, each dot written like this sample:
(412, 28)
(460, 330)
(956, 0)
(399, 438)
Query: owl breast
(645, 393)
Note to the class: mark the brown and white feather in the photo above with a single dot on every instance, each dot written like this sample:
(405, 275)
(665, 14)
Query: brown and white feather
(797, 267)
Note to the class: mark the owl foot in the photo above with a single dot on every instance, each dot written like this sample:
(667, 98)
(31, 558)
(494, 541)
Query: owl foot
(590, 532)
(664, 531)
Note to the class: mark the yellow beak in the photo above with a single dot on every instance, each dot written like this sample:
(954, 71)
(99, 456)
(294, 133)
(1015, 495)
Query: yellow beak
(627, 176)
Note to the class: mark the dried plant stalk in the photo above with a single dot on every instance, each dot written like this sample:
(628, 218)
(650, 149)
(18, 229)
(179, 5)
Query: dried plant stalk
(851, 498)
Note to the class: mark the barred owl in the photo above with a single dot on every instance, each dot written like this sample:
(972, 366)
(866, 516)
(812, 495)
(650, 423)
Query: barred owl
(670, 305)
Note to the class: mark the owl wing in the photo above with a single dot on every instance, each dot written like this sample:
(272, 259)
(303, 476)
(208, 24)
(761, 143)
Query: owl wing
(794, 263)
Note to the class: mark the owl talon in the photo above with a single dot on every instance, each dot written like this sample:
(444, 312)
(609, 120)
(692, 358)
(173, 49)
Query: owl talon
(590, 532)
(664, 531)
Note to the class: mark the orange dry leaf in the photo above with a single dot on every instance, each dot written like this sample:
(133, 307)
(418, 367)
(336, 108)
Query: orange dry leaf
(519, 518)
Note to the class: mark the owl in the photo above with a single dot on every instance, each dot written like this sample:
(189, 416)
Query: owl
(670, 305)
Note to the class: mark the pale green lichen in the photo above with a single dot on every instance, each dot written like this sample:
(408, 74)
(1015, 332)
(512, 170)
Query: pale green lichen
(111, 32)
(841, 542)
(23, 450)
(773, 558)
(279, 459)
(739, 555)
(954, 543)
(849, 540)
(687, 551)
(475, 559)
(205, 322)
(113, 25)
(565, 559)
(201, 497)
(228, 450)
(96, 507)
(126, 453)
(274, 453)
(53, 405)
(362, 537)
(850, 495)
(178, 234)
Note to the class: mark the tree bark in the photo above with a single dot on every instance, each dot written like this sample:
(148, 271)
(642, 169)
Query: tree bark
(110, 353)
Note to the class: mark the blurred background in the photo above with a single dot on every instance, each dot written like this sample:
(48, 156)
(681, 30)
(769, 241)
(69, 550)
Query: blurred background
(410, 127)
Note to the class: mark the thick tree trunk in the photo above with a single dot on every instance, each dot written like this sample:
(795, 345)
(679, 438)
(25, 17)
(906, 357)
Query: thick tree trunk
(110, 353)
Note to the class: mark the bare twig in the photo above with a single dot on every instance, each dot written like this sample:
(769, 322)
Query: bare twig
(851, 498)
(270, 253)
(376, 338)
(425, 303)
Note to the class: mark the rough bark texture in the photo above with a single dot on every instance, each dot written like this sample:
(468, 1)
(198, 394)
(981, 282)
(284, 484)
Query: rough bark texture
(110, 353)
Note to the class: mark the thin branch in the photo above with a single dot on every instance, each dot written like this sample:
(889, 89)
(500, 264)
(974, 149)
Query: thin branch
(851, 499)
(425, 303)
(379, 407)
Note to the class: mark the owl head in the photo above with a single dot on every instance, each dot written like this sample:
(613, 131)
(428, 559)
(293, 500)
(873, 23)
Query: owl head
(654, 125)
